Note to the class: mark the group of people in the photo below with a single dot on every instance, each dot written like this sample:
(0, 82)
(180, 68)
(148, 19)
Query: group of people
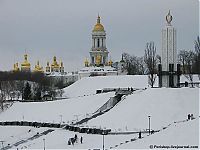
(74, 140)
(190, 117)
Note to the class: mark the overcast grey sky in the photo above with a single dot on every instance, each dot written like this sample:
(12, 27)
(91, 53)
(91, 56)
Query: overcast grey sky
(63, 28)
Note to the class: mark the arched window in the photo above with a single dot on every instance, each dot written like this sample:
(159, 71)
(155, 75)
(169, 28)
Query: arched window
(98, 43)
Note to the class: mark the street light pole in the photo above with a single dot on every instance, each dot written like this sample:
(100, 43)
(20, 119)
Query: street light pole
(149, 124)
(44, 143)
(103, 141)
(104, 133)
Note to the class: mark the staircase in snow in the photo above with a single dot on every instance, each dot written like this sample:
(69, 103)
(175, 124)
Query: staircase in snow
(119, 96)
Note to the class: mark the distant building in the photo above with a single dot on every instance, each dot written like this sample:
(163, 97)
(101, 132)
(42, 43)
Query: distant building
(55, 71)
(26, 66)
(99, 65)
(55, 67)
(98, 52)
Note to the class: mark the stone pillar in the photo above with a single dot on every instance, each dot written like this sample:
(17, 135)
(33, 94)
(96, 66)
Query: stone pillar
(168, 74)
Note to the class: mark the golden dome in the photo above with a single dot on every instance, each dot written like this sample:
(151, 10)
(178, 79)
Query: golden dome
(98, 26)
(86, 62)
(110, 62)
(38, 68)
(55, 63)
(25, 64)
(16, 67)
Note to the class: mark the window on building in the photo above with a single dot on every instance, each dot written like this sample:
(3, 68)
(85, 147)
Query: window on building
(98, 43)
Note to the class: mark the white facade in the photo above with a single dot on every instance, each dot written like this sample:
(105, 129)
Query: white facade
(169, 55)
(97, 71)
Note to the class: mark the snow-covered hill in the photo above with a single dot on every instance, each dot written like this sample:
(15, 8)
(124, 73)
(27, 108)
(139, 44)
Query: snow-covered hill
(49, 111)
(88, 86)
(178, 134)
(164, 105)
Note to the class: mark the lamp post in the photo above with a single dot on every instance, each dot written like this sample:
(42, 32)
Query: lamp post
(103, 133)
(149, 124)
(44, 143)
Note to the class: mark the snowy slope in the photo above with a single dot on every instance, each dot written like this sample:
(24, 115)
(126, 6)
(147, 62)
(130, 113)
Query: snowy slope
(164, 105)
(89, 85)
(51, 111)
(177, 134)
(181, 134)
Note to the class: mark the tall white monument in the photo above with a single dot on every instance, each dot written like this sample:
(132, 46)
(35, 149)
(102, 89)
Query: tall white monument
(169, 70)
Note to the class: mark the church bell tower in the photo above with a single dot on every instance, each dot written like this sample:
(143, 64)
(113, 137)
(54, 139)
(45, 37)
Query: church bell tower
(98, 52)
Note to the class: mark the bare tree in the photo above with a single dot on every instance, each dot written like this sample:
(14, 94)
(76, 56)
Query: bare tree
(189, 60)
(133, 64)
(140, 65)
(182, 59)
(197, 56)
(150, 60)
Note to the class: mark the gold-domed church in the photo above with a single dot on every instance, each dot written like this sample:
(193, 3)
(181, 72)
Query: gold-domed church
(55, 66)
(98, 52)
(98, 64)
(26, 66)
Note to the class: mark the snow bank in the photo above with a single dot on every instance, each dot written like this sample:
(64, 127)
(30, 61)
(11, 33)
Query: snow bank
(52, 111)
(181, 134)
(89, 85)
(164, 105)
(184, 78)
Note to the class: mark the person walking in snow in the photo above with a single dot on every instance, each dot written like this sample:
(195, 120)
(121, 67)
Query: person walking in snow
(189, 116)
(140, 135)
(75, 138)
(192, 117)
(69, 143)
(81, 140)
(72, 141)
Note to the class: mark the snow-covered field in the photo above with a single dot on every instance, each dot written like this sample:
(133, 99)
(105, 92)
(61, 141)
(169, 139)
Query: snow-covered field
(88, 86)
(67, 109)
(164, 105)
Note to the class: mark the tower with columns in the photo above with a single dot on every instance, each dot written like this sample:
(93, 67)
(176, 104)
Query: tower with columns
(98, 52)
(169, 70)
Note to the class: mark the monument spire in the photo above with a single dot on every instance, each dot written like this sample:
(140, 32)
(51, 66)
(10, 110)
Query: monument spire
(169, 18)
(169, 70)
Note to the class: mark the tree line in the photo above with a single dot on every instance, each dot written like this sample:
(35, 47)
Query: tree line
(148, 63)
(27, 86)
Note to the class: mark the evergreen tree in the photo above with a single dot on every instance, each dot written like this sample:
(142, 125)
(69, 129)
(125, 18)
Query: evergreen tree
(27, 92)
(38, 93)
